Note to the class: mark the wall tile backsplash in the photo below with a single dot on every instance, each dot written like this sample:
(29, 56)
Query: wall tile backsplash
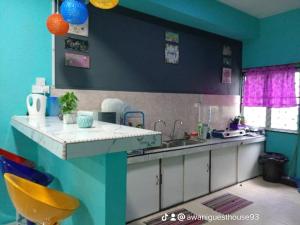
(167, 107)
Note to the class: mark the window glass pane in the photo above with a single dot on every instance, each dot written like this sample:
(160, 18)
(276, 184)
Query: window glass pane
(284, 118)
(287, 118)
(255, 116)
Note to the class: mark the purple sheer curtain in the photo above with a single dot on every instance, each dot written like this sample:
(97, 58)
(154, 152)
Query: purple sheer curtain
(272, 87)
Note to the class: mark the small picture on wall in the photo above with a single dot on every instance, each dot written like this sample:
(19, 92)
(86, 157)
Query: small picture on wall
(172, 37)
(226, 76)
(76, 60)
(76, 45)
(81, 30)
(172, 54)
(227, 61)
(227, 50)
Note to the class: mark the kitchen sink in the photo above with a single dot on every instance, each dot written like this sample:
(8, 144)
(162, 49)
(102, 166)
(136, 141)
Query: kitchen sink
(174, 143)
(180, 142)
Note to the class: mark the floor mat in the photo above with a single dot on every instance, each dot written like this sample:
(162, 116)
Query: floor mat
(227, 203)
(178, 217)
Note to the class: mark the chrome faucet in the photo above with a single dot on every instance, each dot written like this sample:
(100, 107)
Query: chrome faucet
(174, 128)
(159, 121)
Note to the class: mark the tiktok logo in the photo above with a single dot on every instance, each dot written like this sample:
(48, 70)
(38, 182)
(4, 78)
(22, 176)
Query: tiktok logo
(164, 217)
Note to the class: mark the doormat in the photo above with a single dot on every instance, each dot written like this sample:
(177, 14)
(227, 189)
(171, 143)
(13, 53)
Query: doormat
(178, 217)
(227, 203)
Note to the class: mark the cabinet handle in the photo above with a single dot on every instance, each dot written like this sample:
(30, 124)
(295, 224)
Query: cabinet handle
(207, 166)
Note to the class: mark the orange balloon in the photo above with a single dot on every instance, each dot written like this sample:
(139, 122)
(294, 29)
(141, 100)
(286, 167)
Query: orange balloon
(56, 25)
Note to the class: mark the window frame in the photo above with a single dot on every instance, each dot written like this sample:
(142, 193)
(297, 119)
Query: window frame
(269, 112)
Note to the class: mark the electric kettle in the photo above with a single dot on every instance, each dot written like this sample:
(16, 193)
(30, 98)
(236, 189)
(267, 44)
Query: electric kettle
(36, 105)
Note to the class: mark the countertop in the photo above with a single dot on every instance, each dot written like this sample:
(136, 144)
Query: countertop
(68, 141)
(210, 144)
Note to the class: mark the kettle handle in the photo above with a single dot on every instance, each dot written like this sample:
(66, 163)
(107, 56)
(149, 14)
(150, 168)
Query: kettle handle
(28, 103)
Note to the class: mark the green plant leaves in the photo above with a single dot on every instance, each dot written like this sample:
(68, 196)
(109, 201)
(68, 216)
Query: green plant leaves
(68, 102)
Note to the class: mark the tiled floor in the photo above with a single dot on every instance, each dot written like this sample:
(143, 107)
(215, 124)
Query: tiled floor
(275, 204)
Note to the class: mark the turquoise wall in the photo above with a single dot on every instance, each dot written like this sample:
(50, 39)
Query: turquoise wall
(209, 15)
(282, 143)
(25, 54)
(277, 43)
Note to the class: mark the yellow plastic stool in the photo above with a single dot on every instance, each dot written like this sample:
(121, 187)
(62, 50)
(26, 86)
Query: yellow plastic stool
(37, 203)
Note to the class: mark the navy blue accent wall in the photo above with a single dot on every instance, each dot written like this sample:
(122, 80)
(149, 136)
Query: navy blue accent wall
(127, 54)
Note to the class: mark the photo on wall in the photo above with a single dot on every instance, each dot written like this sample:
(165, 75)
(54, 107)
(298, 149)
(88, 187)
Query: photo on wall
(172, 54)
(77, 60)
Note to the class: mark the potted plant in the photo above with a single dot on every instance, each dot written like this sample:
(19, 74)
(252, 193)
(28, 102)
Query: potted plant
(68, 104)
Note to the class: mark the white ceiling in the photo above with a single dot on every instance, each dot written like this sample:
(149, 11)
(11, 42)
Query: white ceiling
(263, 8)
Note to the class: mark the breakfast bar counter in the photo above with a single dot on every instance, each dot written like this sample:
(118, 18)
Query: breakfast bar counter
(68, 141)
(88, 163)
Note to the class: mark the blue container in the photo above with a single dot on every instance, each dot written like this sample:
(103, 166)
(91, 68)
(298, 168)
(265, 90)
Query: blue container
(53, 106)
(85, 121)
(8, 166)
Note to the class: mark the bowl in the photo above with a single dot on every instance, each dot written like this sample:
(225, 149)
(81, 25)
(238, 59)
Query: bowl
(85, 121)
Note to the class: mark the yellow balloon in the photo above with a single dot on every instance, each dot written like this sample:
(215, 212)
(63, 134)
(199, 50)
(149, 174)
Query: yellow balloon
(105, 4)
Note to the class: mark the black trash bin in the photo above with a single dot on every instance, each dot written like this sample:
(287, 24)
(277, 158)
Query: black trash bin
(273, 164)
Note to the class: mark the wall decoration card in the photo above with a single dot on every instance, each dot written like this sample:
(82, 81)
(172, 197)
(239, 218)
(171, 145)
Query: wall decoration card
(226, 75)
(172, 54)
(77, 60)
(227, 61)
(81, 30)
(227, 51)
(76, 45)
(172, 37)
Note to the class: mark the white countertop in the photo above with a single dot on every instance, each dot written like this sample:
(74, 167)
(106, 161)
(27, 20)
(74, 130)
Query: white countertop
(68, 141)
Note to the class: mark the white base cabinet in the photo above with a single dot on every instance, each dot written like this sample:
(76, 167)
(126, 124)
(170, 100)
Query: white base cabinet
(248, 166)
(142, 189)
(172, 181)
(159, 184)
(223, 168)
(196, 175)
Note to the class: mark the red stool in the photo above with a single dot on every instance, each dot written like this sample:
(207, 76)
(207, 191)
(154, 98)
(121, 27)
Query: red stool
(16, 158)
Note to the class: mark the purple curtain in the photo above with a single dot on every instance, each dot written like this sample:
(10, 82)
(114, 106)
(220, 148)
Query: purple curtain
(272, 87)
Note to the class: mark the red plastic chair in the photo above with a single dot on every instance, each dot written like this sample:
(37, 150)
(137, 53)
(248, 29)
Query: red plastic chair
(17, 159)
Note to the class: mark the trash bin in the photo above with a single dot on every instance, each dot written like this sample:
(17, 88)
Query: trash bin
(272, 164)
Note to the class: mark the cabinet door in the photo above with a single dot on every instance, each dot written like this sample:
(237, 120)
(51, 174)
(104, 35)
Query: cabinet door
(223, 168)
(172, 181)
(196, 175)
(142, 189)
(248, 166)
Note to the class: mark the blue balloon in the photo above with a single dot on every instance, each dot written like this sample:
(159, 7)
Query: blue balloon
(74, 11)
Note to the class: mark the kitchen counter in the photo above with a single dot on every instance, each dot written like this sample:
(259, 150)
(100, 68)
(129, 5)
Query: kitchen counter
(210, 144)
(68, 141)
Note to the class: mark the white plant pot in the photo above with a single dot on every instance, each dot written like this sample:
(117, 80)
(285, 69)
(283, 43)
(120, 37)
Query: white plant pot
(69, 118)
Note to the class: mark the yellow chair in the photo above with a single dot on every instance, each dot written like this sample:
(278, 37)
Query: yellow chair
(38, 203)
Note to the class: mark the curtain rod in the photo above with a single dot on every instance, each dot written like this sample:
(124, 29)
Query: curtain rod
(297, 65)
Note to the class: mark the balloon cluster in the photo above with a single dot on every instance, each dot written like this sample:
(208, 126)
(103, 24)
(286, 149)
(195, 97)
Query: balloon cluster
(71, 12)
(74, 12)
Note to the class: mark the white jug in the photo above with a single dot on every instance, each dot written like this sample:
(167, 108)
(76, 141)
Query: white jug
(36, 105)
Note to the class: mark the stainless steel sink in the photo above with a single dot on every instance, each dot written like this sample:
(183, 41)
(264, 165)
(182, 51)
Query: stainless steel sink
(180, 142)
(174, 143)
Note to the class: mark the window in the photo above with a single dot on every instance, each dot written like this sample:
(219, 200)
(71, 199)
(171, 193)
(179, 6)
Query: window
(275, 118)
